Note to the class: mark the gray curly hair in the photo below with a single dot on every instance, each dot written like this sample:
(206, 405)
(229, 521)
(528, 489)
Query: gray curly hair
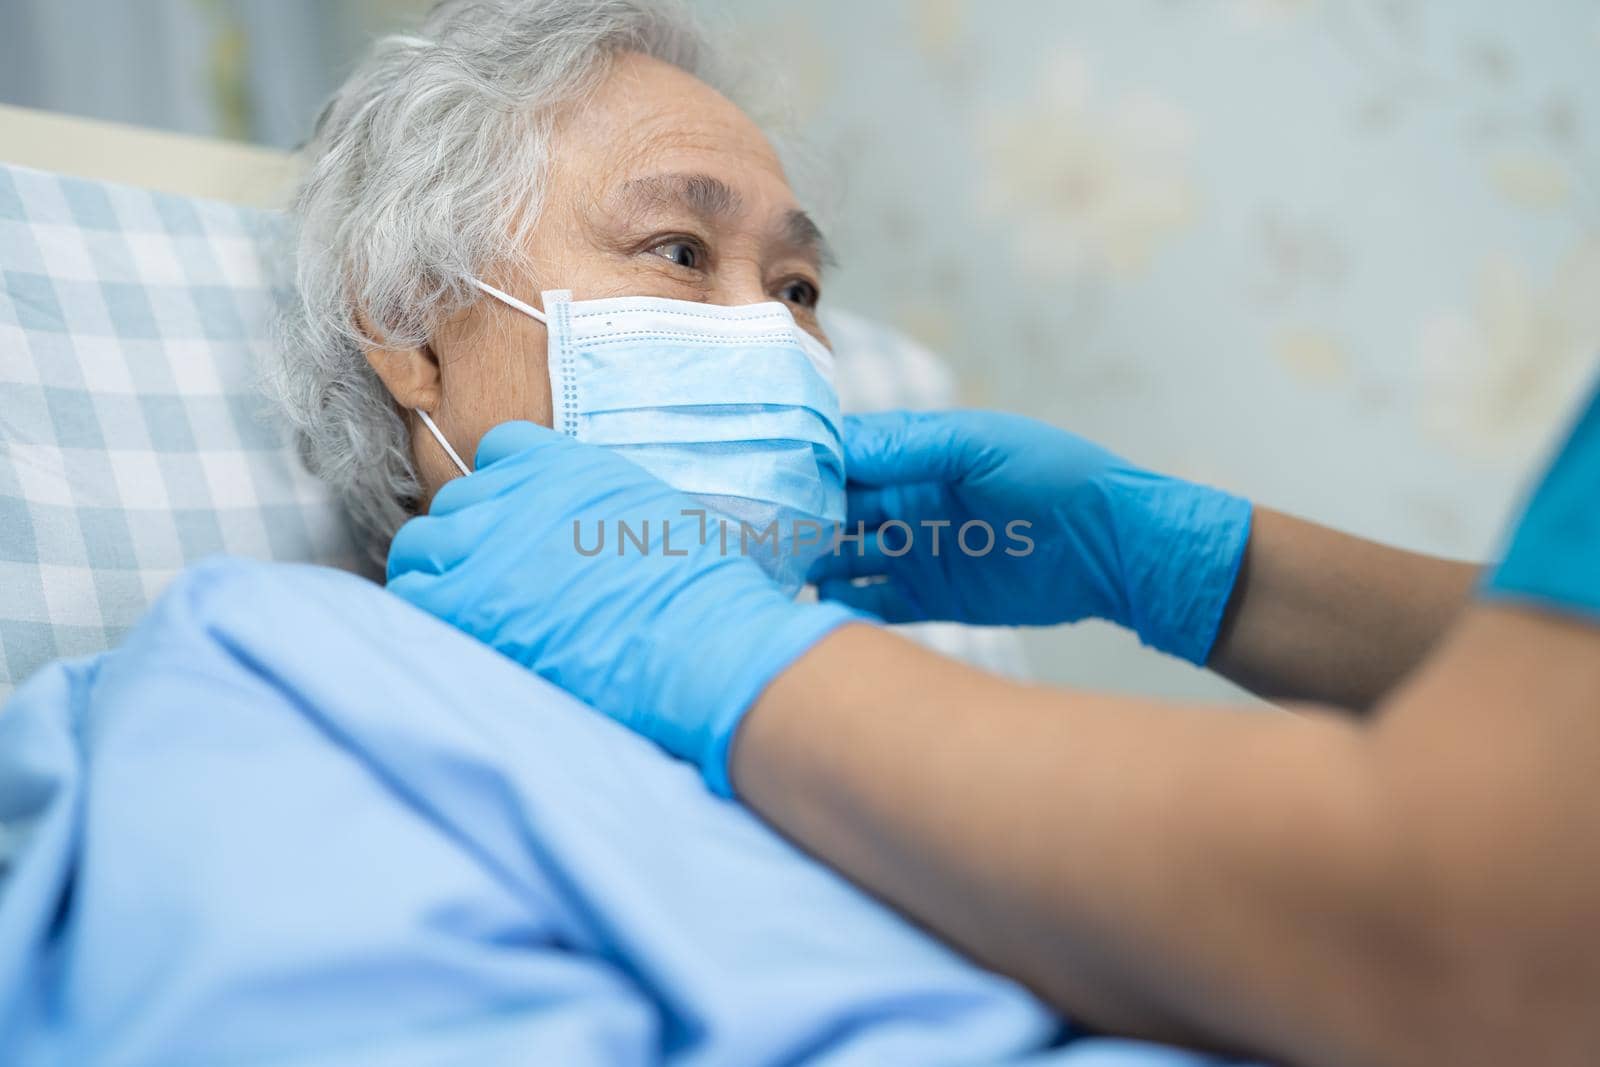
(426, 168)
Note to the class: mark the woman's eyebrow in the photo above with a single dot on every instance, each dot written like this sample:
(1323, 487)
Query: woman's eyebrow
(702, 195)
(711, 199)
(801, 233)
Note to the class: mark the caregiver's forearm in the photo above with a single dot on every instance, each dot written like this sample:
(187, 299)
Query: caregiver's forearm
(1070, 841)
(1323, 616)
(1237, 879)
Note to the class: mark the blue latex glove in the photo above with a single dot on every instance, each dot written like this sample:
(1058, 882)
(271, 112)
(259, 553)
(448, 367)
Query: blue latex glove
(1108, 540)
(675, 646)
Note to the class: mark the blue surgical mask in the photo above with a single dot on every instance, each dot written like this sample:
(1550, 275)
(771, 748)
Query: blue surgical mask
(734, 406)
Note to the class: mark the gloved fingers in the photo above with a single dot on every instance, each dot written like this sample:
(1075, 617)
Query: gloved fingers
(913, 504)
(889, 599)
(853, 559)
(895, 447)
(865, 504)
(444, 595)
(509, 438)
(434, 544)
(517, 457)
(419, 587)
(872, 506)
(492, 474)
(483, 484)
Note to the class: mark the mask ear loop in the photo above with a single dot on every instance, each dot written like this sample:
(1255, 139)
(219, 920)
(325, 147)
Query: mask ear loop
(504, 298)
(437, 436)
(508, 299)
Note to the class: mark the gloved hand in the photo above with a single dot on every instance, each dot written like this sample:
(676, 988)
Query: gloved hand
(1089, 534)
(675, 641)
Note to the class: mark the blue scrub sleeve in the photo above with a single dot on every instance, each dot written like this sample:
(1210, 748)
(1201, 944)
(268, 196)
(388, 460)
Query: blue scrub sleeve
(1553, 559)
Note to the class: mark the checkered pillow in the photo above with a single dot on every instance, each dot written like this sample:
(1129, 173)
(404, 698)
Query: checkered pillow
(132, 439)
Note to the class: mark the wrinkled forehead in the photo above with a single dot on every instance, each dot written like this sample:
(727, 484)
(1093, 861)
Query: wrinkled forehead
(648, 118)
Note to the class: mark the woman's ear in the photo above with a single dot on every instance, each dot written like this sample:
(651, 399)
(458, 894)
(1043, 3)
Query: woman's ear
(410, 374)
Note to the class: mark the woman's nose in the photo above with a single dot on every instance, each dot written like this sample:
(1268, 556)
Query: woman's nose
(740, 283)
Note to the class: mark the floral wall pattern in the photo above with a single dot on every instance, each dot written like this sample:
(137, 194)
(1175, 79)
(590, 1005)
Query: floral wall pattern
(1342, 256)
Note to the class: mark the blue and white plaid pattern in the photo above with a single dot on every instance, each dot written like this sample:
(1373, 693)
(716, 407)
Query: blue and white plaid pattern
(132, 437)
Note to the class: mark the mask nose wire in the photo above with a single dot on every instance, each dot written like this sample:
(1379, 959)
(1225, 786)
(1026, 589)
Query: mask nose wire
(504, 298)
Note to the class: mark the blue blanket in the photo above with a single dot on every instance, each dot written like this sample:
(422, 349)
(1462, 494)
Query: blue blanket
(292, 820)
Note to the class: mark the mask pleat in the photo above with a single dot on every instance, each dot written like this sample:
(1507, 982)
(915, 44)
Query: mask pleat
(660, 376)
(734, 406)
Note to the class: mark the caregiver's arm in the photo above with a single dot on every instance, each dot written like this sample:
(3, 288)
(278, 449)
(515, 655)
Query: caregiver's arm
(1321, 615)
(1422, 889)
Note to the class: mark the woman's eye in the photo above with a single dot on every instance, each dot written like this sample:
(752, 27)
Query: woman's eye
(682, 253)
(801, 293)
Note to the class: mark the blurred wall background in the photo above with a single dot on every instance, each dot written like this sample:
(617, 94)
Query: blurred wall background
(1342, 256)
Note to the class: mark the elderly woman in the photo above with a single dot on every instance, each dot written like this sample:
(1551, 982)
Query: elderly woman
(531, 146)
(292, 819)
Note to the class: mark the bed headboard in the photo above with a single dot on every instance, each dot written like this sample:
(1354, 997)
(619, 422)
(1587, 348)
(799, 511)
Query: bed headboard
(150, 159)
